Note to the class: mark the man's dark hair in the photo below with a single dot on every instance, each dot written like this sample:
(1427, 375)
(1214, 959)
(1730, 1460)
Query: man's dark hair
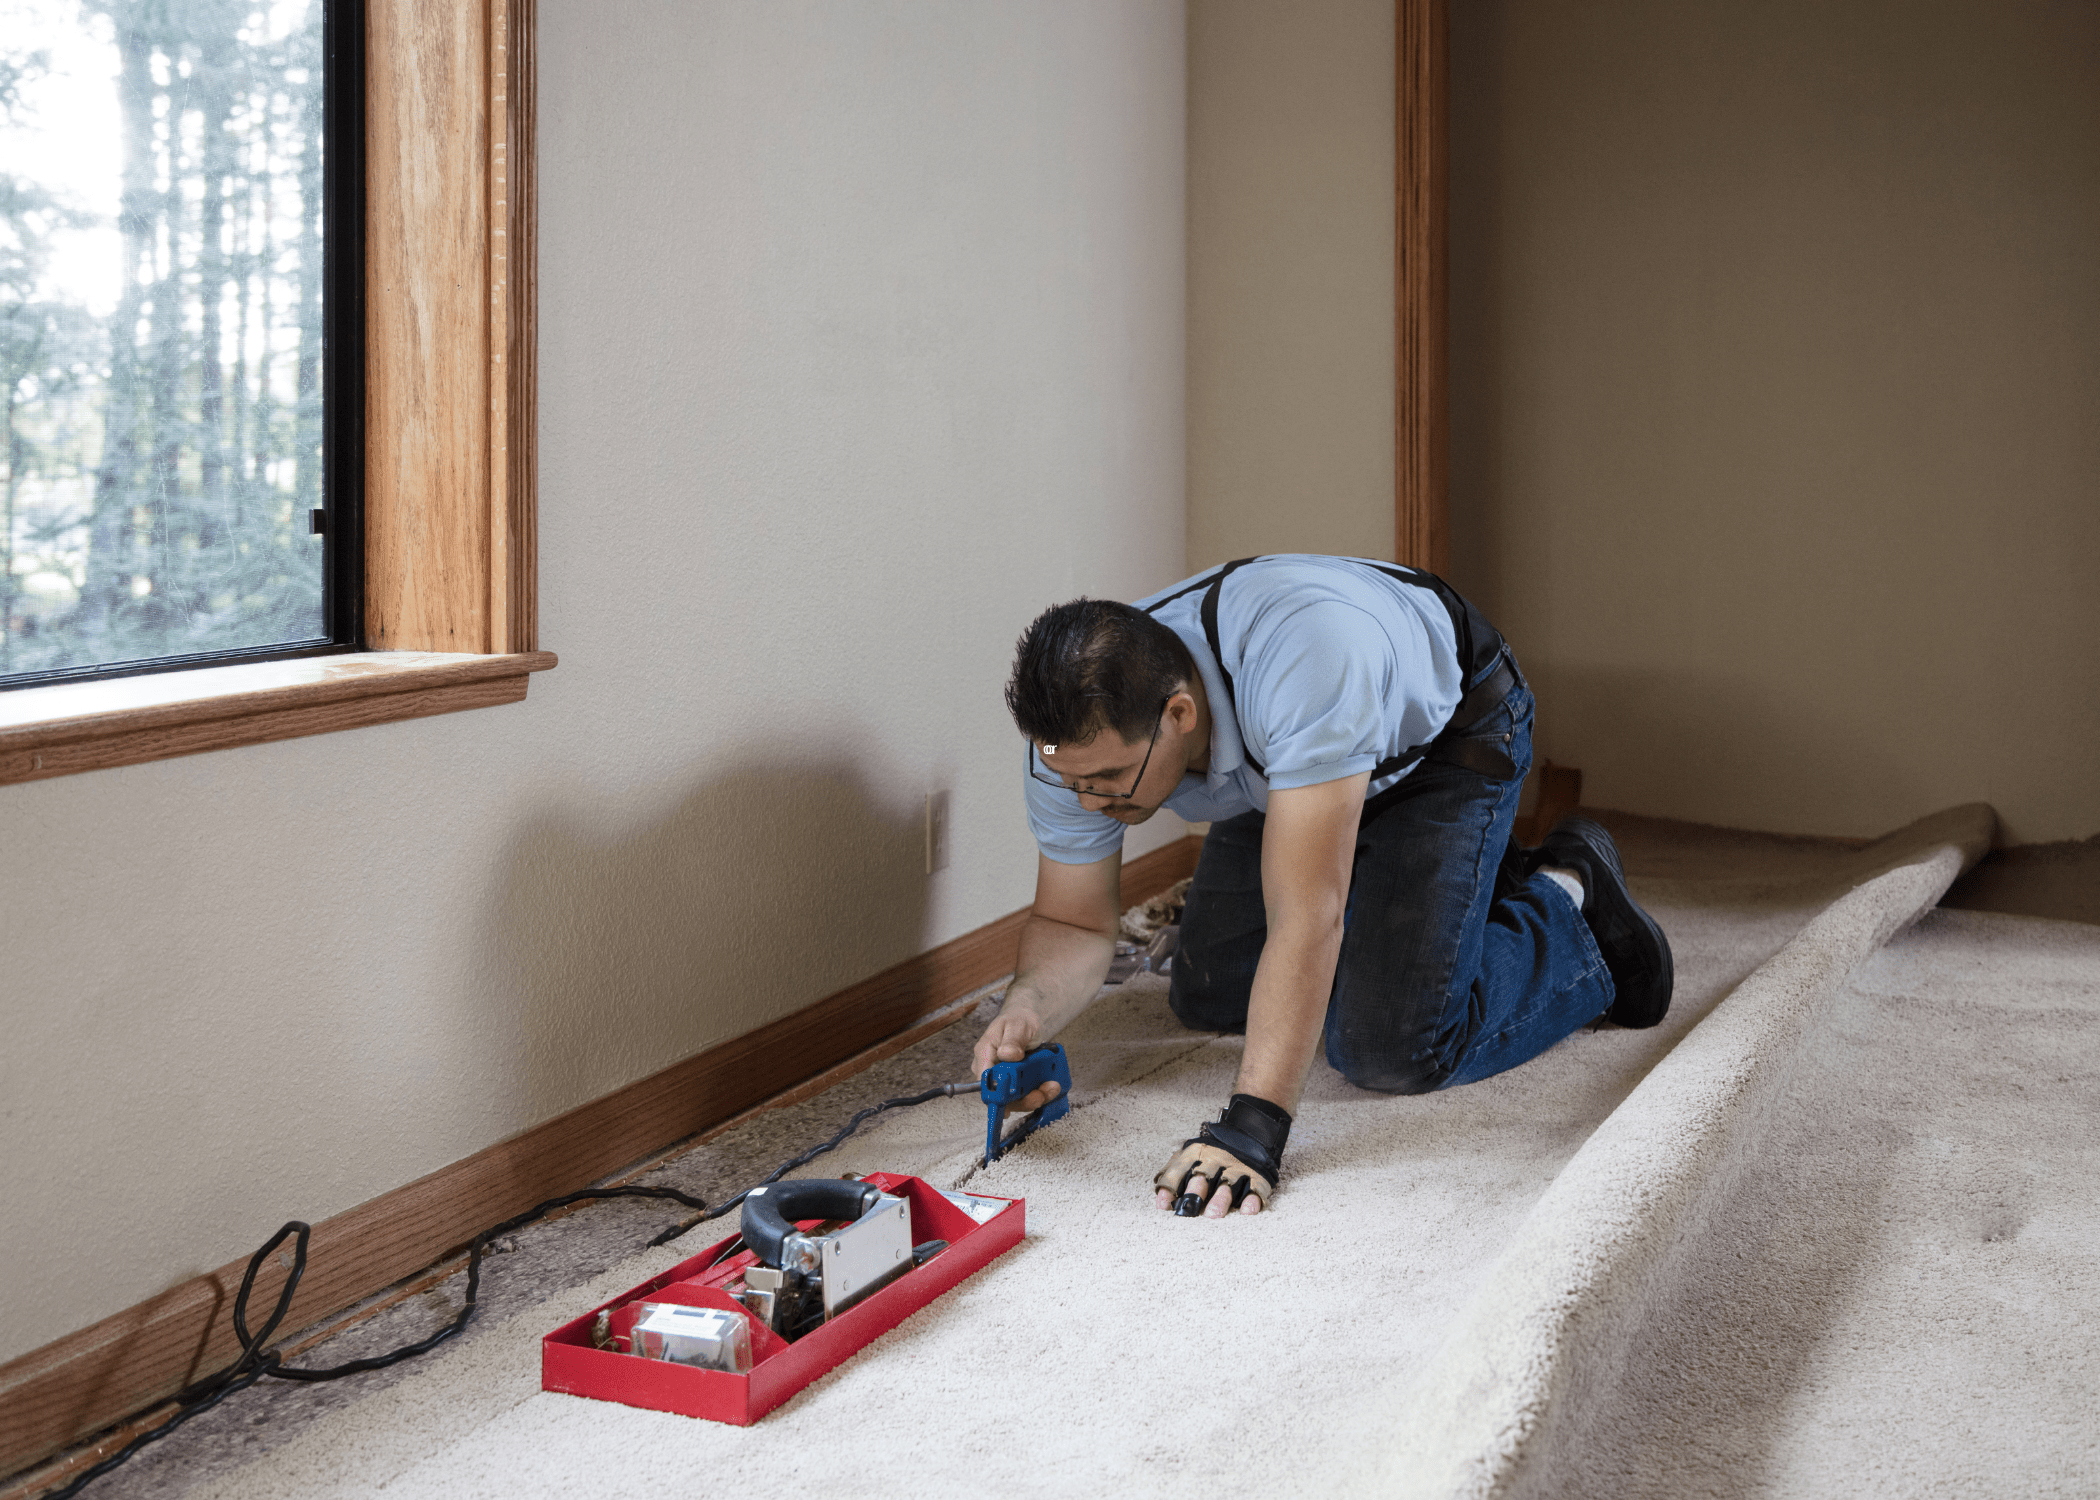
(1094, 664)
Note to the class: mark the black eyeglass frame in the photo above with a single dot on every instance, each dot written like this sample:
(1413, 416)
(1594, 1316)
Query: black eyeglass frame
(1028, 753)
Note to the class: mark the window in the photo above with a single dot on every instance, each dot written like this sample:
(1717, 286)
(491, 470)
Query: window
(445, 611)
(180, 350)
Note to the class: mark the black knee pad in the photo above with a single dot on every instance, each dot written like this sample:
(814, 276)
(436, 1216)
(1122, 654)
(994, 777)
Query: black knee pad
(1381, 1076)
(1203, 1007)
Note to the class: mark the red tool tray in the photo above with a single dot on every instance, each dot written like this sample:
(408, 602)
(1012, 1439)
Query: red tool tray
(569, 1362)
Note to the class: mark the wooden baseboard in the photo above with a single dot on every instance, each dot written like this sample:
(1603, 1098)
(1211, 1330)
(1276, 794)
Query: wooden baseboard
(75, 1387)
(1559, 793)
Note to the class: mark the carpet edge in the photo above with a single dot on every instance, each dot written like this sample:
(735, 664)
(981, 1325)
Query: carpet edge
(1480, 1418)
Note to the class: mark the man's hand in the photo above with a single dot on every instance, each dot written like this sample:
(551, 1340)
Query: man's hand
(1233, 1161)
(1066, 943)
(1009, 1038)
(1219, 1204)
(1307, 846)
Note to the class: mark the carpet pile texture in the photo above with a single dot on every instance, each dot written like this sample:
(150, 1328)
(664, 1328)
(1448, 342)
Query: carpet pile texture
(1828, 1230)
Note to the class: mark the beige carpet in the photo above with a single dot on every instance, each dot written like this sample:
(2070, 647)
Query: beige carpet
(1811, 1247)
(1899, 1294)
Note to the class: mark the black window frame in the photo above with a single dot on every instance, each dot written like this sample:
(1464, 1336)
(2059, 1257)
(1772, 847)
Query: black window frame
(342, 381)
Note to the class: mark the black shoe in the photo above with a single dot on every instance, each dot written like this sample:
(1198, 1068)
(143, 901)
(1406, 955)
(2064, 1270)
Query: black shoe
(1634, 948)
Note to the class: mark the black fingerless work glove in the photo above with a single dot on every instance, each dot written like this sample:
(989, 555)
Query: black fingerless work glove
(1242, 1150)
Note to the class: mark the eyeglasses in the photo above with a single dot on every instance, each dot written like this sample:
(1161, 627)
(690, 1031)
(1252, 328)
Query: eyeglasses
(1028, 751)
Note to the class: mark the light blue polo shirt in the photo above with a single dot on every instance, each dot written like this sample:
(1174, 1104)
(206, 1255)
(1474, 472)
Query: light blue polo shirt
(1335, 667)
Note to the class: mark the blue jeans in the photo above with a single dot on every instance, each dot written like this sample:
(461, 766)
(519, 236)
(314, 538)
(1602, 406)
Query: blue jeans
(1453, 966)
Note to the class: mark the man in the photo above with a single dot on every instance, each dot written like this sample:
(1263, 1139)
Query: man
(1356, 735)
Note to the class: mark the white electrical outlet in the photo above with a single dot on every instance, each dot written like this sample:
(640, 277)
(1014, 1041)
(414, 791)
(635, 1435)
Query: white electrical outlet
(936, 831)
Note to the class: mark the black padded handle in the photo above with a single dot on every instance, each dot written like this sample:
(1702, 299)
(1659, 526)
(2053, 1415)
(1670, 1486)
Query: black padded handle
(770, 1212)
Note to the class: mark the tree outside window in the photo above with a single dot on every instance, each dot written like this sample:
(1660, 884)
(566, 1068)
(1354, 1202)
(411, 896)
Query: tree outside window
(162, 219)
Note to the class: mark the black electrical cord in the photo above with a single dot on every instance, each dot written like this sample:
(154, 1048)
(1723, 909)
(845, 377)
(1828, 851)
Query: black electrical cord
(256, 1362)
(945, 1091)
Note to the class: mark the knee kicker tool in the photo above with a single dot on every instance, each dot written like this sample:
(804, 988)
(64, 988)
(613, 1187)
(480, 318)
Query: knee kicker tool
(1005, 1082)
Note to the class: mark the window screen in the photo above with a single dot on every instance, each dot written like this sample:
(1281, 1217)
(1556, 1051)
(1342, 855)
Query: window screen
(180, 347)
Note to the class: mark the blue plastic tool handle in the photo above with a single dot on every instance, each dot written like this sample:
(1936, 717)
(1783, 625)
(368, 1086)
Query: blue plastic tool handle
(1005, 1082)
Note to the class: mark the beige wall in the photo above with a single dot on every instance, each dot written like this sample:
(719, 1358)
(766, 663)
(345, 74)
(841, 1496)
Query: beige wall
(1290, 321)
(858, 321)
(1776, 399)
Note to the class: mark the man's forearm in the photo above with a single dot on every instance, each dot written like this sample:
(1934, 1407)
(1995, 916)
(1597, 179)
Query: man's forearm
(1058, 971)
(1288, 1007)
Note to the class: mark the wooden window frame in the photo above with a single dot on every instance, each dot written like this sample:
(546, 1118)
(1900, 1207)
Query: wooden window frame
(450, 558)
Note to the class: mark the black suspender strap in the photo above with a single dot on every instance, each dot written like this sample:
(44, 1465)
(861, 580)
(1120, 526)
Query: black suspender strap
(1217, 652)
(1202, 582)
(1479, 653)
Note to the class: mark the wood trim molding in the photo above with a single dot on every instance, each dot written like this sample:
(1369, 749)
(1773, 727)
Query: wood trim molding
(515, 377)
(514, 327)
(450, 269)
(1422, 419)
(76, 1386)
(122, 721)
(1557, 791)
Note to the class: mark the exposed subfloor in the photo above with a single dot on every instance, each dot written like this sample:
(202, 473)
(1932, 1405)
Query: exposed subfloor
(2059, 880)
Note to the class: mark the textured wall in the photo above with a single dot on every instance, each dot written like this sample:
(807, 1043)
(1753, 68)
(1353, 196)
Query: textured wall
(1290, 329)
(859, 322)
(1776, 399)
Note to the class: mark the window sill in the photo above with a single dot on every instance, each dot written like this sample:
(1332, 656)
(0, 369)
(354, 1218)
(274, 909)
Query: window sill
(86, 726)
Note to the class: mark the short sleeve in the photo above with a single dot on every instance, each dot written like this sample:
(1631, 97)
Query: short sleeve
(1065, 831)
(1312, 688)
